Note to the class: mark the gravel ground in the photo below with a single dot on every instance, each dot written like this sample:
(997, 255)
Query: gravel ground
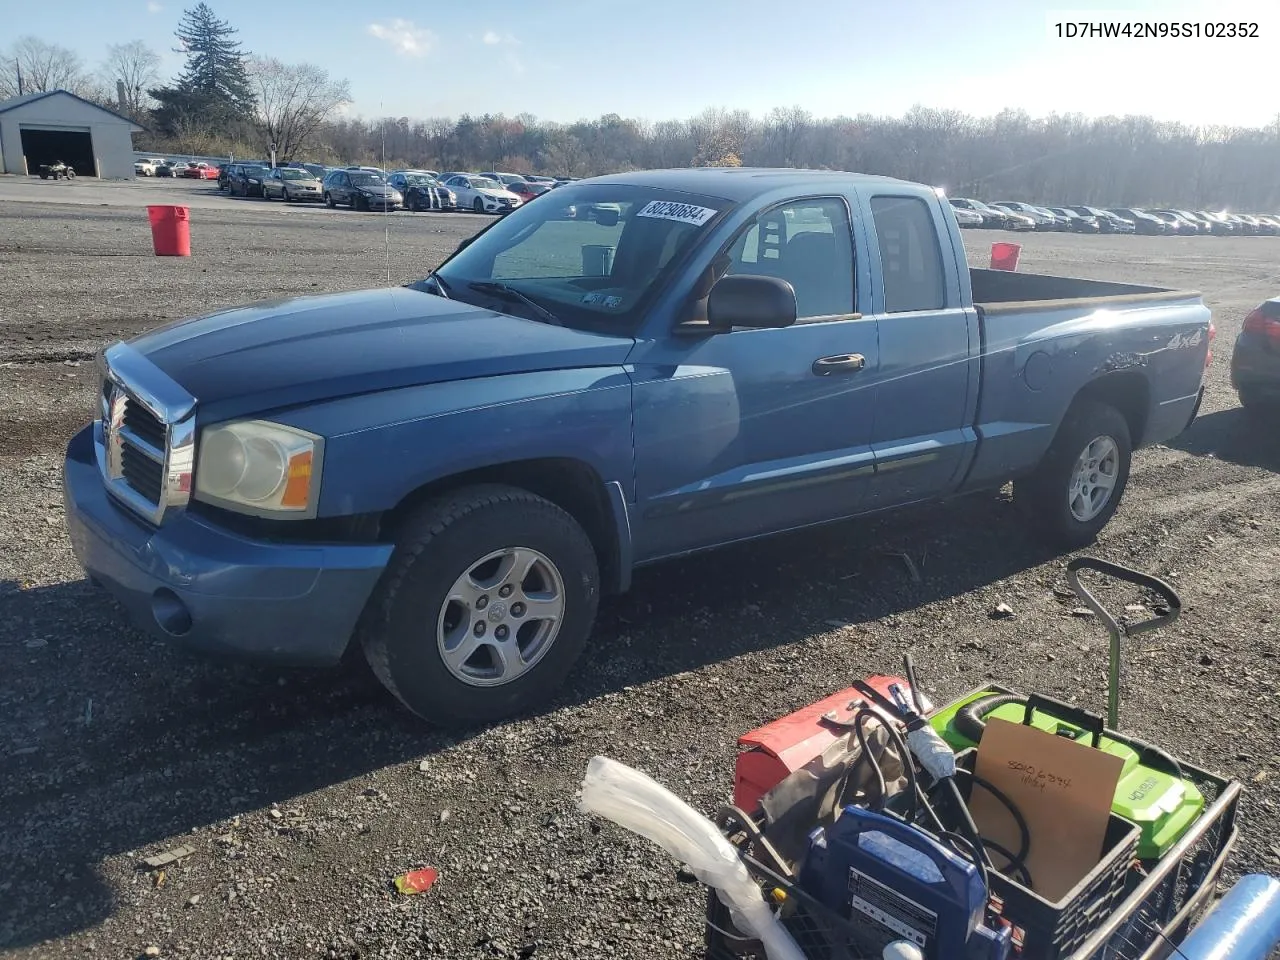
(303, 794)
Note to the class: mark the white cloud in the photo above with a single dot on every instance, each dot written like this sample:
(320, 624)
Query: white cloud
(404, 37)
(153, 7)
(493, 39)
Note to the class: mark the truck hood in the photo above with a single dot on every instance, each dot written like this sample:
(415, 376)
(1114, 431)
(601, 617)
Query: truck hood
(289, 352)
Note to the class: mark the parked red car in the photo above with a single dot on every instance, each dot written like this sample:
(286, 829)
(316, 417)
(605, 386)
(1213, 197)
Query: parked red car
(526, 190)
(200, 171)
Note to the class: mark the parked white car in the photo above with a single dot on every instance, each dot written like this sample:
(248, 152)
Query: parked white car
(481, 194)
(146, 167)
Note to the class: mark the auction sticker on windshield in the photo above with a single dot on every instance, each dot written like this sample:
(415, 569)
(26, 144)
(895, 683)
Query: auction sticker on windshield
(681, 212)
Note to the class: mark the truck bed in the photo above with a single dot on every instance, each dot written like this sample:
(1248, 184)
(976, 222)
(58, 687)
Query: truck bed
(998, 291)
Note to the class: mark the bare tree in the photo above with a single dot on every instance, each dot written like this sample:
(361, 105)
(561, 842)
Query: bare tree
(294, 100)
(135, 65)
(42, 66)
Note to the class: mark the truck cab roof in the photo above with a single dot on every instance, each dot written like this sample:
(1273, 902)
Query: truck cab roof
(739, 184)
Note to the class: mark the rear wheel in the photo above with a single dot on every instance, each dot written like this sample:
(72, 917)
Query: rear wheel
(485, 607)
(1078, 485)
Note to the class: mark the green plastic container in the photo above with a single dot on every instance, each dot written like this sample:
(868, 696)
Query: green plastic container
(1162, 805)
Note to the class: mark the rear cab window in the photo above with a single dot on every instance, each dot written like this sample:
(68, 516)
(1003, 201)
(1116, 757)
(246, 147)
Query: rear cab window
(912, 269)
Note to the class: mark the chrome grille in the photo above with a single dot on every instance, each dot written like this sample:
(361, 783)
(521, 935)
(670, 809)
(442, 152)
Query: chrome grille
(145, 435)
(144, 425)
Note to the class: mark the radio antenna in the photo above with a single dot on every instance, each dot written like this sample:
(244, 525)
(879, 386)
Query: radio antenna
(386, 201)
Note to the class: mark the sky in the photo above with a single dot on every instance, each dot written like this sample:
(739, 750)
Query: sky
(563, 60)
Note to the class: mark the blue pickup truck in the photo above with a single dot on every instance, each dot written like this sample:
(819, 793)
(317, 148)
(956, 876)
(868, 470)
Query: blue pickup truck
(449, 475)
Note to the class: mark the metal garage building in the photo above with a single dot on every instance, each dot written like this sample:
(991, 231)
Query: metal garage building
(59, 126)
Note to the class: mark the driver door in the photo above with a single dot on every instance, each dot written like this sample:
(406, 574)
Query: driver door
(745, 433)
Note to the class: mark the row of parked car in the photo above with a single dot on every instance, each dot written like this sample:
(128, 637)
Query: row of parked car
(363, 187)
(1017, 215)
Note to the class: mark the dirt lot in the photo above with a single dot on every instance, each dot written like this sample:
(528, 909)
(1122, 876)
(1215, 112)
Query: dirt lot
(303, 794)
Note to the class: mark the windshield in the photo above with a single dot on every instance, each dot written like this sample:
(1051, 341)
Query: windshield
(366, 180)
(484, 183)
(255, 171)
(294, 174)
(593, 255)
(418, 180)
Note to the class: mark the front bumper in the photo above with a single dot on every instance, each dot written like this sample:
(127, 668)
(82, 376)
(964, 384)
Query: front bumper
(198, 586)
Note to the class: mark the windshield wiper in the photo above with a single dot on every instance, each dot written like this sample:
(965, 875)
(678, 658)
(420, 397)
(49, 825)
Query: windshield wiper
(440, 284)
(511, 293)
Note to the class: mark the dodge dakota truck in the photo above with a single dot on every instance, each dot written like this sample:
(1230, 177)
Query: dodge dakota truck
(446, 476)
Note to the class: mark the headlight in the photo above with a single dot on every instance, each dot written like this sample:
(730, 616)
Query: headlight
(258, 467)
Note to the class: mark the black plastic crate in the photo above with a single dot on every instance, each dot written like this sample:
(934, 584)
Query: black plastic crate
(1164, 898)
(1044, 929)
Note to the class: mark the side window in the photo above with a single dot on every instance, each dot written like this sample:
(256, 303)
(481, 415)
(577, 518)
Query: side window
(809, 244)
(910, 258)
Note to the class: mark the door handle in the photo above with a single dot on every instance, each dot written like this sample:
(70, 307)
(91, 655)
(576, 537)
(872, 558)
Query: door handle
(845, 363)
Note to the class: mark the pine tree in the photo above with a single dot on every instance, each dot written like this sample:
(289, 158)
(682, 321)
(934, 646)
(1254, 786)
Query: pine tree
(213, 89)
(215, 64)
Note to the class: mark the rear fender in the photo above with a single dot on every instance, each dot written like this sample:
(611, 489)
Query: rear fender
(1146, 360)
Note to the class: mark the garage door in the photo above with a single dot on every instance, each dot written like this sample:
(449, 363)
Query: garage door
(70, 145)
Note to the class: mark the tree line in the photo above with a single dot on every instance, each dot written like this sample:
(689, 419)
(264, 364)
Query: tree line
(229, 102)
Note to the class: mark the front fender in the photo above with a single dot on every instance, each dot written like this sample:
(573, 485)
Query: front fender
(381, 447)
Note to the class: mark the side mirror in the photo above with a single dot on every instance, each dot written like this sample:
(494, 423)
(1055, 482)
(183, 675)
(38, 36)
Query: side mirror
(751, 301)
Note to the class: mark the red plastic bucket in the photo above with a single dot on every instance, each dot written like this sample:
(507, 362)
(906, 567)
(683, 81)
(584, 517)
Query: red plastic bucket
(170, 231)
(1004, 256)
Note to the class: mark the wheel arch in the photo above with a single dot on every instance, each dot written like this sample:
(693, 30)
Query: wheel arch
(574, 486)
(1128, 391)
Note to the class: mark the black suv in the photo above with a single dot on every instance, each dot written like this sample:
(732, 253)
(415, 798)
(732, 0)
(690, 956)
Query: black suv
(244, 179)
(361, 190)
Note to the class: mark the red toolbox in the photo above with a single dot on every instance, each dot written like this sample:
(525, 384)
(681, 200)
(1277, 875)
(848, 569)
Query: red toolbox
(769, 754)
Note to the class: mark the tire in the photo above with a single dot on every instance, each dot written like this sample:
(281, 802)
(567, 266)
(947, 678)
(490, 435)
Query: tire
(411, 610)
(328, 200)
(356, 202)
(1090, 428)
(71, 174)
(478, 205)
(1257, 406)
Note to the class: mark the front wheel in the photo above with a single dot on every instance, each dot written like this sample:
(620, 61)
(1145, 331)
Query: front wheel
(478, 206)
(71, 174)
(328, 200)
(485, 607)
(1078, 485)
